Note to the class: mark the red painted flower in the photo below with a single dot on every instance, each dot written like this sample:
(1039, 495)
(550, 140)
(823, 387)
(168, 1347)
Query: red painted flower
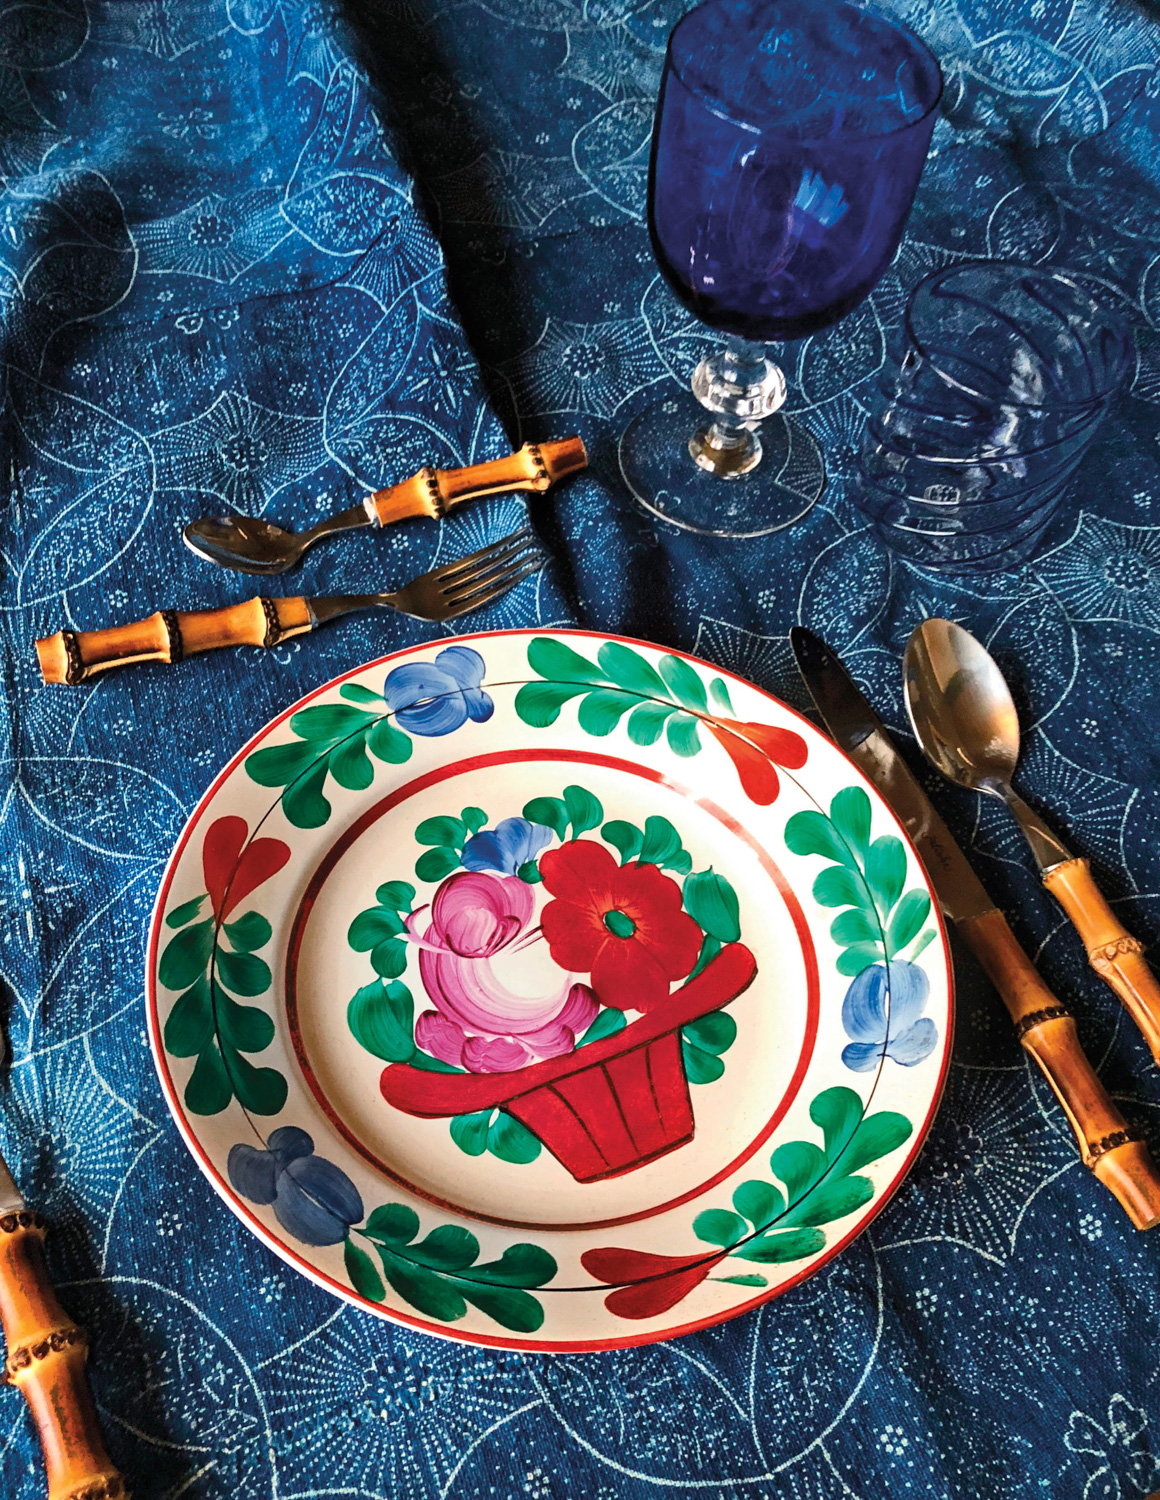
(623, 924)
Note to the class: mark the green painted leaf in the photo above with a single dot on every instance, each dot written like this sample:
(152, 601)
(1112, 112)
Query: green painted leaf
(709, 951)
(474, 818)
(397, 894)
(350, 765)
(712, 903)
(249, 932)
(186, 956)
(715, 1032)
(719, 693)
(469, 1132)
(388, 743)
(329, 721)
(554, 660)
(831, 1200)
(260, 1090)
(628, 670)
(876, 1137)
(246, 1028)
(646, 722)
(529, 873)
(700, 1067)
(909, 915)
(423, 1289)
(799, 1164)
(381, 1018)
(208, 1090)
(510, 1308)
(850, 815)
(520, 1265)
(278, 765)
(841, 886)
(354, 692)
(436, 863)
(601, 709)
(393, 1223)
(242, 973)
(680, 863)
(837, 1112)
(584, 811)
(548, 812)
(512, 1141)
(742, 1280)
(856, 926)
(361, 1269)
(774, 1249)
(449, 1247)
(661, 841)
(389, 959)
(682, 735)
(189, 1025)
(623, 837)
(683, 683)
(451, 832)
(813, 833)
(717, 1226)
(759, 1202)
(886, 871)
(303, 802)
(539, 703)
(184, 913)
(375, 925)
(858, 957)
(607, 1023)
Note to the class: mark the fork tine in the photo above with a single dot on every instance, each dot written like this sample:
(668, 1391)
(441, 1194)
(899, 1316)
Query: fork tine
(467, 567)
(484, 578)
(481, 595)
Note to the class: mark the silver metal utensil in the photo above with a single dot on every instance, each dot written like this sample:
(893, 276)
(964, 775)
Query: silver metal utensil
(248, 544)
(965, 719)
(456, 588)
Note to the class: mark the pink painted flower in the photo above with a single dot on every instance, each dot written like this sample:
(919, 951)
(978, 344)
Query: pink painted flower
(496, 1008)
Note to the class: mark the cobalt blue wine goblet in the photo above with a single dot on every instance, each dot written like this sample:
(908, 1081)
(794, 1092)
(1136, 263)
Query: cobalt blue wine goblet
(789, 139)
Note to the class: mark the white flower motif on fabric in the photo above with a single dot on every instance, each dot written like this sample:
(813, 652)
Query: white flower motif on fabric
(1121, 1462)
(1107, 571)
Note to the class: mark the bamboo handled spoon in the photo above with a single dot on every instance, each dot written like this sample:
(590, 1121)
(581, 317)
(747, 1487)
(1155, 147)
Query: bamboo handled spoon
(964, 716)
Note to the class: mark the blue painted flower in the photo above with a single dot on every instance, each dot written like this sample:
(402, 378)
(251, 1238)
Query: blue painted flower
(882, 1012)
(506, 847)
(313, 1200)
(433, 698)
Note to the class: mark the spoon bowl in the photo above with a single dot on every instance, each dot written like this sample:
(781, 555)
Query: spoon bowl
(244, 543)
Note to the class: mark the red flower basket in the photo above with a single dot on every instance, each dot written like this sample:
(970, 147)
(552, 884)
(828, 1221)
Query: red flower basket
(606, 1108)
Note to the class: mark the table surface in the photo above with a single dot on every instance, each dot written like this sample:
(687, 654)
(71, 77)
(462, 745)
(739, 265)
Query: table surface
(261, 254)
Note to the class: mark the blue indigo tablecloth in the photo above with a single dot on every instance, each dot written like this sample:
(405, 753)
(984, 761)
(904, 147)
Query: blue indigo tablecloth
(269, 253)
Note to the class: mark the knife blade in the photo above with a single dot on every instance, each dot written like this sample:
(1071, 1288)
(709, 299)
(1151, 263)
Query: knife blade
(1115, 1153)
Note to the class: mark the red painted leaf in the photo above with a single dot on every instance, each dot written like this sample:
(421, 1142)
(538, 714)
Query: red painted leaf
(661, 1281)
(781, 745)
(230, 875)
(755, 769)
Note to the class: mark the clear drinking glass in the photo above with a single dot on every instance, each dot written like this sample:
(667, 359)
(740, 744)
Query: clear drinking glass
(788, 144)
(1006, 373)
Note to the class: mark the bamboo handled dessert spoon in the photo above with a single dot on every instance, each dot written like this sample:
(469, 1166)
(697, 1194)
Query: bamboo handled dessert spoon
(964, 716)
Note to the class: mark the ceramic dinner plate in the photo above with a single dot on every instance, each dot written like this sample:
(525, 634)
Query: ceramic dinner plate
(550, 991)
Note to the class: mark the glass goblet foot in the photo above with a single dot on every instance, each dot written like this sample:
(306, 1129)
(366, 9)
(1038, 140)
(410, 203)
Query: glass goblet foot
(698, 460)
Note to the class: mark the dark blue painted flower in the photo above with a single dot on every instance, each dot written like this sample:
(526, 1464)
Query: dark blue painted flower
(313, 1200)
(432, 698)
(506, 847)
(882, 1013)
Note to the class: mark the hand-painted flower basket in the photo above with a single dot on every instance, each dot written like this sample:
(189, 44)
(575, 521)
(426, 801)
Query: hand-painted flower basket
(608, 1107)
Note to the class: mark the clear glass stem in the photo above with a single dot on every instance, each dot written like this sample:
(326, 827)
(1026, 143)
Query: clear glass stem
(741, 386)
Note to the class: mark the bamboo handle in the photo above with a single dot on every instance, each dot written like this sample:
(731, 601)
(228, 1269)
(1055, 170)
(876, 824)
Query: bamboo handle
(168, 636)
(1115, 955)
(432, 492)
(1122, 1162)
(46, 1359)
